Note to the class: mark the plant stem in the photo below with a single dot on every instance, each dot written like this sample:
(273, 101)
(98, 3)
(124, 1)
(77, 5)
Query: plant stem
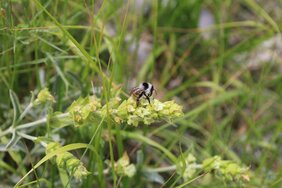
(161, 169)
(32, 138)
(170, 168)
(30, 105)
(7, 131)
(40, 121)
(11, 129)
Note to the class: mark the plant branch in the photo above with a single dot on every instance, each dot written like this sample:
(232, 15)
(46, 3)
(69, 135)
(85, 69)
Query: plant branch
(40, 121)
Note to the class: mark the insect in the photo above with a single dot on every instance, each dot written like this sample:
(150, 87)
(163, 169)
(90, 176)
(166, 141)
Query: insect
(143, 90)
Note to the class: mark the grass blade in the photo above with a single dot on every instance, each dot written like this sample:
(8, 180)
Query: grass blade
(16, 106)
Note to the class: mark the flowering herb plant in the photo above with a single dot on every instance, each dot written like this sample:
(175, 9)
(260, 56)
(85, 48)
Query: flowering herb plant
(88, 111)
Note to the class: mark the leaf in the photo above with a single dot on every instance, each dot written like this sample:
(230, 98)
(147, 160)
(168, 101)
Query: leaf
(64, 177)
(16, 106)
(59, 71)
(154, 177)
(13, 140)
(140, 157)
(7, 167)
(261, 12)
(52, 154)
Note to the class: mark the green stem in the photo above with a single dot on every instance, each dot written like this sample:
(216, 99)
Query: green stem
(171, 168)
(25, 112)
(31, 124)
(7, 131)
(146, 140)
(161, 169)
(32, 138)
(40, 121)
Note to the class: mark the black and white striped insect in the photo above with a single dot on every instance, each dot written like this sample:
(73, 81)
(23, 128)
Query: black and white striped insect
(143, 90)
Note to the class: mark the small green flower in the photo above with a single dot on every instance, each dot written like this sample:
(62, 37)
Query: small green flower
(130, 170)
(187, 166)
(80, 172)
(111, 109)
(123, 167)
(133, 120)
(212, 163)
(226, 169)
(44, 96)
(82, 109)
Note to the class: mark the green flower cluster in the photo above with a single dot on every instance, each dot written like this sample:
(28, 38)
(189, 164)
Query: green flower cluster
(186, 167)
(67, 161)
(124, 168)
(129, 112)
(82, 109)
(227, 169)
(44, 96)
(110, 108)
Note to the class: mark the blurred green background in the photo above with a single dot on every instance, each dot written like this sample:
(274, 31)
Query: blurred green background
(220, 60)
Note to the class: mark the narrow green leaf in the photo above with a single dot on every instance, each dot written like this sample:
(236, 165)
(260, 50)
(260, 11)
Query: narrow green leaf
(64, 177)
(140, 157)
(150, 142)
(16, 106)
(261, 12)
(59, 71)
(36, 182)
(13, 140)
(7, 167)
(154, 177)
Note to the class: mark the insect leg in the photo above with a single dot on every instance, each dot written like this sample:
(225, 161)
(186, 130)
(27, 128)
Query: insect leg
(139, 97)
(148, 98)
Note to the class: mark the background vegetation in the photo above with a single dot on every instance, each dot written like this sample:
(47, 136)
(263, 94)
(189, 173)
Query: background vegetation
(220, 60)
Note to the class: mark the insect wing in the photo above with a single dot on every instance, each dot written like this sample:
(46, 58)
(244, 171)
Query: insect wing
(136, 91)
